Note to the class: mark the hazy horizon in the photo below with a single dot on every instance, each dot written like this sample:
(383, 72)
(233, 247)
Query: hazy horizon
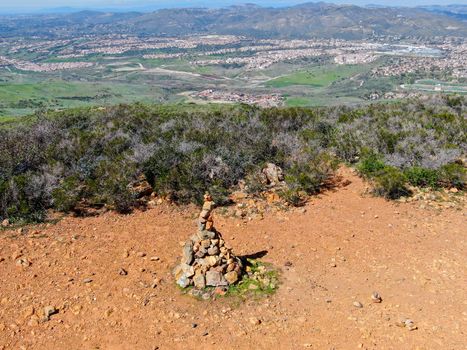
(24, 6)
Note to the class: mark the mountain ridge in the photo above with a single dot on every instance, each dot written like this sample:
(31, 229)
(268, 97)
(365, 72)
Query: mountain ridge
(308, 20)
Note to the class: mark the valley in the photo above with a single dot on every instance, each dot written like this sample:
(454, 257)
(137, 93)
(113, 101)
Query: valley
(107, 69)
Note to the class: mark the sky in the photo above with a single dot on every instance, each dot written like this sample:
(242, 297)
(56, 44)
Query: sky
(35, 5)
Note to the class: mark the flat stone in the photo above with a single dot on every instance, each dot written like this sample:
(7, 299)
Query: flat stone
(177, 271)
(184, 281)
(187, 253)
(205, 234)
(199, 281)
(188, 270)
(231, 277)
(204, 214)
(215, 278)
(219, 268)
(211, 260)
(208, 205)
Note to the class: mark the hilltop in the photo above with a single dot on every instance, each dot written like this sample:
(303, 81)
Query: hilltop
(332, 254)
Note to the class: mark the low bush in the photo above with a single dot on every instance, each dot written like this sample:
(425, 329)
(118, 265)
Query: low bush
(391, 183)
(422, 177)
(453, 175)
(90, 155)
(67, 195)
(370, 165)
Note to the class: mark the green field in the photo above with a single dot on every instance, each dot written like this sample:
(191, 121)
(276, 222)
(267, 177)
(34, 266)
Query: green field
(20, 99)
(317, 76)
(297, 101)
(431, 85)
(114, 80)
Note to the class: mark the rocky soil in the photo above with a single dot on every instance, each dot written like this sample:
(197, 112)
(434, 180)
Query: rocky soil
(356, 272)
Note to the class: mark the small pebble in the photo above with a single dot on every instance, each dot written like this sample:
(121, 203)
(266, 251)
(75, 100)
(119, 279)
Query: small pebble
(357, 304)
(376, 298)
(255, 321)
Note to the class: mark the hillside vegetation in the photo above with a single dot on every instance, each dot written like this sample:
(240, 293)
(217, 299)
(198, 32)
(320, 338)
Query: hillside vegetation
(60, 159)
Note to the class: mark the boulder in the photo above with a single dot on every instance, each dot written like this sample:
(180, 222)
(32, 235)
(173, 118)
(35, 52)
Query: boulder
(141, 188)
(273, 174)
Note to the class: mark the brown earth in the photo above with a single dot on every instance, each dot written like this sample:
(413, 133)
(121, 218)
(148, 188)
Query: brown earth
(341, 249)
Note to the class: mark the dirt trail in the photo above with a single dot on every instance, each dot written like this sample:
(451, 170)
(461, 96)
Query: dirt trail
(341, 249)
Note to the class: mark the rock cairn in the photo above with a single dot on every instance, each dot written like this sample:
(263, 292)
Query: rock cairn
(206, 260)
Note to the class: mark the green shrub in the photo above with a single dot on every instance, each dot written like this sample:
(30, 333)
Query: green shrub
(391, 183)
(173, 174)
(111, 181)
(304, 179)
(371, 165)
(453, 175)
(55, 159)
(22, 200)
(68, 194)
(293, 196)
(422, 177)
(254, 182)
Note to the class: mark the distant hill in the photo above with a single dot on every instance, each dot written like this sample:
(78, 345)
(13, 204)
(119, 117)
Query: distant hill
(303, 21)
(455, 11)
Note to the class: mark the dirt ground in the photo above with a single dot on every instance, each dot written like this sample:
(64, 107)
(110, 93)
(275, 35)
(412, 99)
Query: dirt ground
(341, 249)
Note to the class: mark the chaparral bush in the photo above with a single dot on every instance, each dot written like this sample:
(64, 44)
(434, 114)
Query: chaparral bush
(62, 159)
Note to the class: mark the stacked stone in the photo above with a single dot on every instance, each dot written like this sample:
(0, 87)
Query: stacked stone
(206, 260)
